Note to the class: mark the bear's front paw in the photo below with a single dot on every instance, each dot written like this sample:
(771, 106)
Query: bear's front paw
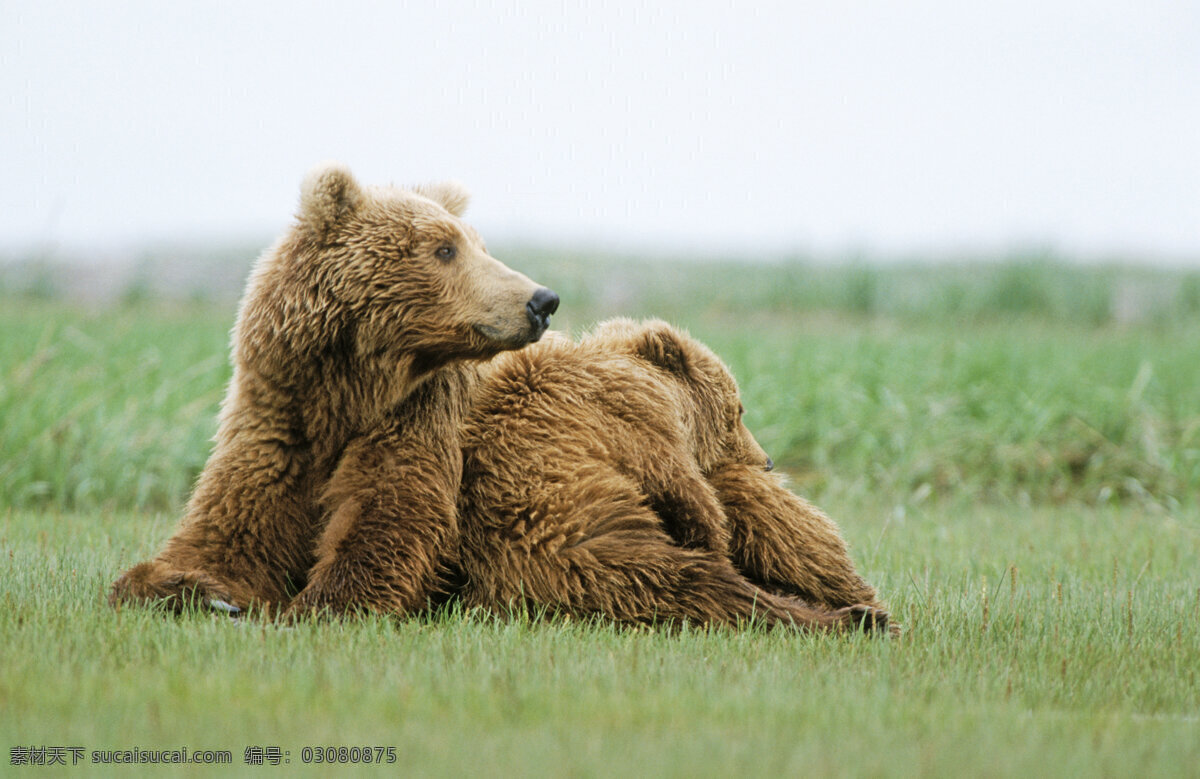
(157, 582)
(869, 619)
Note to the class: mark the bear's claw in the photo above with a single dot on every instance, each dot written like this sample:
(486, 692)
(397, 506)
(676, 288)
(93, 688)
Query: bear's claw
(869, 619)
(216, 604)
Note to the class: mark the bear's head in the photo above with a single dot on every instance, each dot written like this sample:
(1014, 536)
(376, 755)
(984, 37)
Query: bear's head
(383, 276)
(711, 402)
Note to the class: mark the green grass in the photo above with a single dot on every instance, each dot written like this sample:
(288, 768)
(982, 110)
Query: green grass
(1052, 641)
(107, 408)
(113, 408)
(1016, 475)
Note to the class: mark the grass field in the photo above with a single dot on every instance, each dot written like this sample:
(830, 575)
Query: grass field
(1013, 452)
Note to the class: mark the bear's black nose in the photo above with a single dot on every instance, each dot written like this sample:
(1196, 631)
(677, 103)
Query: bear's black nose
(770, 466)
(539, 308)
(543, 303)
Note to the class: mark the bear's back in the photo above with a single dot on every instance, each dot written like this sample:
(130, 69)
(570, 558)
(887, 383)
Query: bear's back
(559, 403)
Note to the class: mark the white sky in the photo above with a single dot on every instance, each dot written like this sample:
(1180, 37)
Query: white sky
(886, 127)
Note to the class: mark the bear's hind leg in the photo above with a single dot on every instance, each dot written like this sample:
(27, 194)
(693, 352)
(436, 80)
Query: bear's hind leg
(781, 541)
(690, 511)
(611, 556)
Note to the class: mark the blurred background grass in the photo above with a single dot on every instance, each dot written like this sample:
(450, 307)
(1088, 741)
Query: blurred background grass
(1028, 379)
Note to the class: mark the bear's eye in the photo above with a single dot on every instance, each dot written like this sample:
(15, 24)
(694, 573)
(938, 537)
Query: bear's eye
(446, 253)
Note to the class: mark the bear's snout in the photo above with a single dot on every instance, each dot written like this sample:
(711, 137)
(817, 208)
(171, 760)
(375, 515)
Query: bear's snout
(539, 308)
(770, 466)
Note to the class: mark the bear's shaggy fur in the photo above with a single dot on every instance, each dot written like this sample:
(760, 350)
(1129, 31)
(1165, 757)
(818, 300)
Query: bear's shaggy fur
(614, 476)
(337, 462)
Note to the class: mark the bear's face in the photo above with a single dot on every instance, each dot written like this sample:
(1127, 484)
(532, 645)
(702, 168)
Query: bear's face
(712, 406)
(721, 435)
(397, 272)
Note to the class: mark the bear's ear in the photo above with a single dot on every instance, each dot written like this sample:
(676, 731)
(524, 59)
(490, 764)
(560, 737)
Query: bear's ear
(329, 193)
(450, 195)
(661, 345)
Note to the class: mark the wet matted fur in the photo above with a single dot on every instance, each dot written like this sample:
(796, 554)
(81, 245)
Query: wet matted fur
(336, 466)
(614, 476)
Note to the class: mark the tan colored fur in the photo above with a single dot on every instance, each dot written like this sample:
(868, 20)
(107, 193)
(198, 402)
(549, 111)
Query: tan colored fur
(615, 476)
(336, 464)
(612, 476)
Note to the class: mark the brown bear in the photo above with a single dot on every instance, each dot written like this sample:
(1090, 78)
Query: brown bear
(336, 466)
(614, 476)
